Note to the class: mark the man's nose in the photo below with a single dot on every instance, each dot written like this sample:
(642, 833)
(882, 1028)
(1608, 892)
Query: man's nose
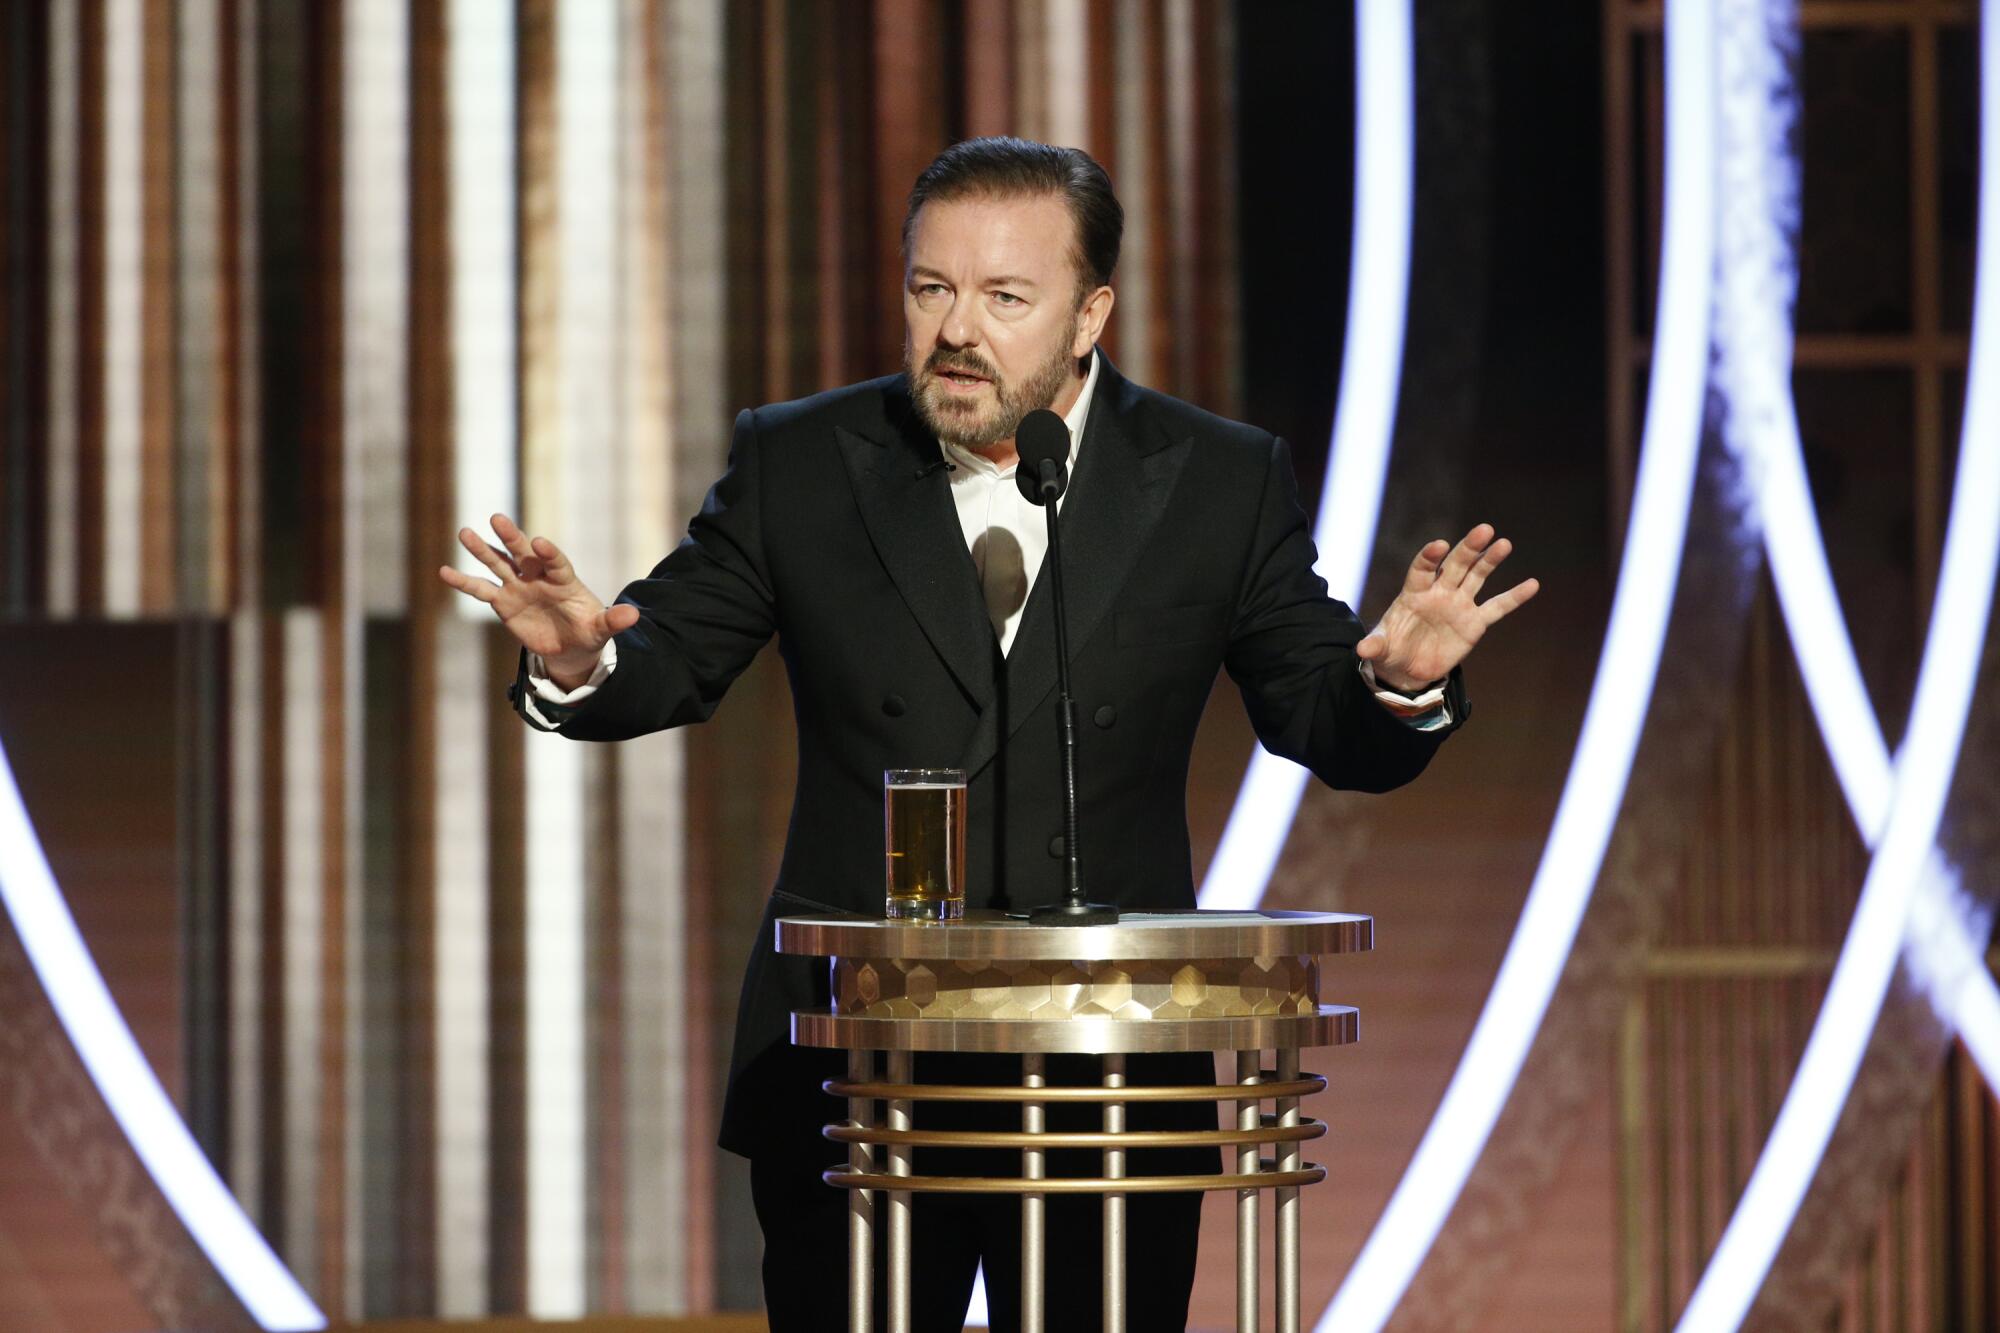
(960, 327)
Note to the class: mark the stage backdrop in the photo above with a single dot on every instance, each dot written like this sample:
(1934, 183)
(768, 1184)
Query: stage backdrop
(292, 290)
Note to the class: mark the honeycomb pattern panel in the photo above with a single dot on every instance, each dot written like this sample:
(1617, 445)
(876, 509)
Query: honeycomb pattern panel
(1130, 990)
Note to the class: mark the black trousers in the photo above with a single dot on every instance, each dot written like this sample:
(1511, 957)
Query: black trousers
(804, 1220)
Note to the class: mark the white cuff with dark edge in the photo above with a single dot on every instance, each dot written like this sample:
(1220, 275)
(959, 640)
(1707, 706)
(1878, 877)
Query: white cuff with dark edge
(541, 687)
(1426, 707)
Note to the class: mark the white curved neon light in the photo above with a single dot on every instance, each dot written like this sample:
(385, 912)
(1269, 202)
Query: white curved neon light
(1922, 778)
(1758, 278)
(1618, 701)
(152, 1126)
(1364, 419)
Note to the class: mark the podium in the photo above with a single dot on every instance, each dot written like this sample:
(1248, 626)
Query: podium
(1238, 982)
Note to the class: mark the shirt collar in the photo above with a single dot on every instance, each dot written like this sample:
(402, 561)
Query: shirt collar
(1075, 418)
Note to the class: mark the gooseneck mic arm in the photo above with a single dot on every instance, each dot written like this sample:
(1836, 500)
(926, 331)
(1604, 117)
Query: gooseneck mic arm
(1042, 442)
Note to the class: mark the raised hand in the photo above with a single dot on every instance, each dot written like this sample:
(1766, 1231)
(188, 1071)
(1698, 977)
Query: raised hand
(540, 600)
(1435, 621)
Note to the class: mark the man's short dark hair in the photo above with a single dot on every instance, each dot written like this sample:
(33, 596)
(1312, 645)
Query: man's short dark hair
(1003, 168)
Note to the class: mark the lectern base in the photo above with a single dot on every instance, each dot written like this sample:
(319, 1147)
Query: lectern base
(1074, 914)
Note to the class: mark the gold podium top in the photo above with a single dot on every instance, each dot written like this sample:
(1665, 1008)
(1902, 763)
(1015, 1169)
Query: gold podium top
(989, 935)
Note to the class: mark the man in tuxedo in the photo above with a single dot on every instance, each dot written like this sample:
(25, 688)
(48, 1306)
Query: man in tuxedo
(876, 530)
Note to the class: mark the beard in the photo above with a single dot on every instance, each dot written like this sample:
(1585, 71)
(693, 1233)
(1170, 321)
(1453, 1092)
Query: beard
(977, 423)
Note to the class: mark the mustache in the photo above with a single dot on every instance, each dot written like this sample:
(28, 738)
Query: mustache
(967, 363)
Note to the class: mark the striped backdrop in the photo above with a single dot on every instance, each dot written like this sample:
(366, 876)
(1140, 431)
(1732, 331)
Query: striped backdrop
(292, 291)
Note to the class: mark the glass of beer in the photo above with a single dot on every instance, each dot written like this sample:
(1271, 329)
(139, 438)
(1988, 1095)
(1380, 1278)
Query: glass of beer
(924, 827)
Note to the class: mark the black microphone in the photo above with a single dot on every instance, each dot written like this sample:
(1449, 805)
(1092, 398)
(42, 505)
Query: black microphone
(1042, 441)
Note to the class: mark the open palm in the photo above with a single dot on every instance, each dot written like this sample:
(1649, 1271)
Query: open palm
(540, 599)
(1436, 618)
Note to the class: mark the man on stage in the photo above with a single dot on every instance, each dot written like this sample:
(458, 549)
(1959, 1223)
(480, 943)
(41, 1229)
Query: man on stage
(876, 530)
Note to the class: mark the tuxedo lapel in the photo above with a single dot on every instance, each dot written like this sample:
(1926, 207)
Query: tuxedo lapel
(1125, 472)
(904, 495)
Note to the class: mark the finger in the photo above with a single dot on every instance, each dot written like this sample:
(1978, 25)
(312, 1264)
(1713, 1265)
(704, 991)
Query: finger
(1459, 563)
(556, 567)
(1424, 569)
(488, 555)
(1371, 646)
(620, 617)
(477, 589)
(1483, 568)
(1496, 608)
(511, 536)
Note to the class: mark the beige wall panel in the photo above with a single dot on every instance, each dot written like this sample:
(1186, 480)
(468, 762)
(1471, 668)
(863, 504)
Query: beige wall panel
(65, 227)
(306, 828)
(375, 258)
(123, 352)
(463, 921)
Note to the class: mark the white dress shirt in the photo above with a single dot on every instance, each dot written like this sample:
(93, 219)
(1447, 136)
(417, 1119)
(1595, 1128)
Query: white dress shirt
(1008, 538)
(1007, 535)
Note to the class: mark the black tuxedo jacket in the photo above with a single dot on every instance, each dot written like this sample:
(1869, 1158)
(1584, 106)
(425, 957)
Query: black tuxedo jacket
(1185, 552)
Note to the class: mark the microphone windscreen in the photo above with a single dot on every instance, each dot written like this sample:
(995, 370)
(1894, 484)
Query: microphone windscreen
(1042, 439)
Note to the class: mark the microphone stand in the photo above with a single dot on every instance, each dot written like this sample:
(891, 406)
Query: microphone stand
(1072, 910)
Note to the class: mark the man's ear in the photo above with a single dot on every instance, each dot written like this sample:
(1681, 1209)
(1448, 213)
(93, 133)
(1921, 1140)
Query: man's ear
(1091, 319)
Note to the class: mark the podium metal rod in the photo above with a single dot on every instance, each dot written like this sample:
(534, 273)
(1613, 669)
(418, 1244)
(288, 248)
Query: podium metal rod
(1288, 1203)
(860, 1204)
(1033, 1167)
(899, 1203)
(1247, 1072)
(1114, 1204)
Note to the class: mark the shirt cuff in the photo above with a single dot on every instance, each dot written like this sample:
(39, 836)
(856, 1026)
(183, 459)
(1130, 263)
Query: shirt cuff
(1426, 711)
(541, 687)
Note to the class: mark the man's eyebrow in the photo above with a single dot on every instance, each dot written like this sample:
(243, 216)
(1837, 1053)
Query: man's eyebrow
(1002, 280)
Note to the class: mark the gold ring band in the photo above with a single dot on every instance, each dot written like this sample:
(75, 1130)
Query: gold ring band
(1014, 1138)
(1303, 1086)
(843, 1178)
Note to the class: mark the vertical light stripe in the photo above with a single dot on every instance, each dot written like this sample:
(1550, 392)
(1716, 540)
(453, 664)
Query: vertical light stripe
(485, 477)
(587, 93)
(375, 257)
(246, 911)
(1066, 67)
(646, 482)
(540, 267)
(64, 259)
(460, 872)
(1135, 308)
(1031, 88)
(554, 983)
(304, 899)
(201, 476)
(1179, 302)
(651, 815)
(575, 489)
(249, 343)
(699, 263)
(123, 351)
(159, 522)
(696, 313)
(1226, 294)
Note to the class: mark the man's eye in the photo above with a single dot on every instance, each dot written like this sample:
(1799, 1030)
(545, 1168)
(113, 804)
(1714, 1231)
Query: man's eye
(930, 289)
(1006, 298)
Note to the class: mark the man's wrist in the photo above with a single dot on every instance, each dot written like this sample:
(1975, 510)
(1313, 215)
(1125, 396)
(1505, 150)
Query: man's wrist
(1412, 688)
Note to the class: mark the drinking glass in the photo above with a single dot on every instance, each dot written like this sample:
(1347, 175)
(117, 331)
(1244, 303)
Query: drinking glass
(924, 828)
